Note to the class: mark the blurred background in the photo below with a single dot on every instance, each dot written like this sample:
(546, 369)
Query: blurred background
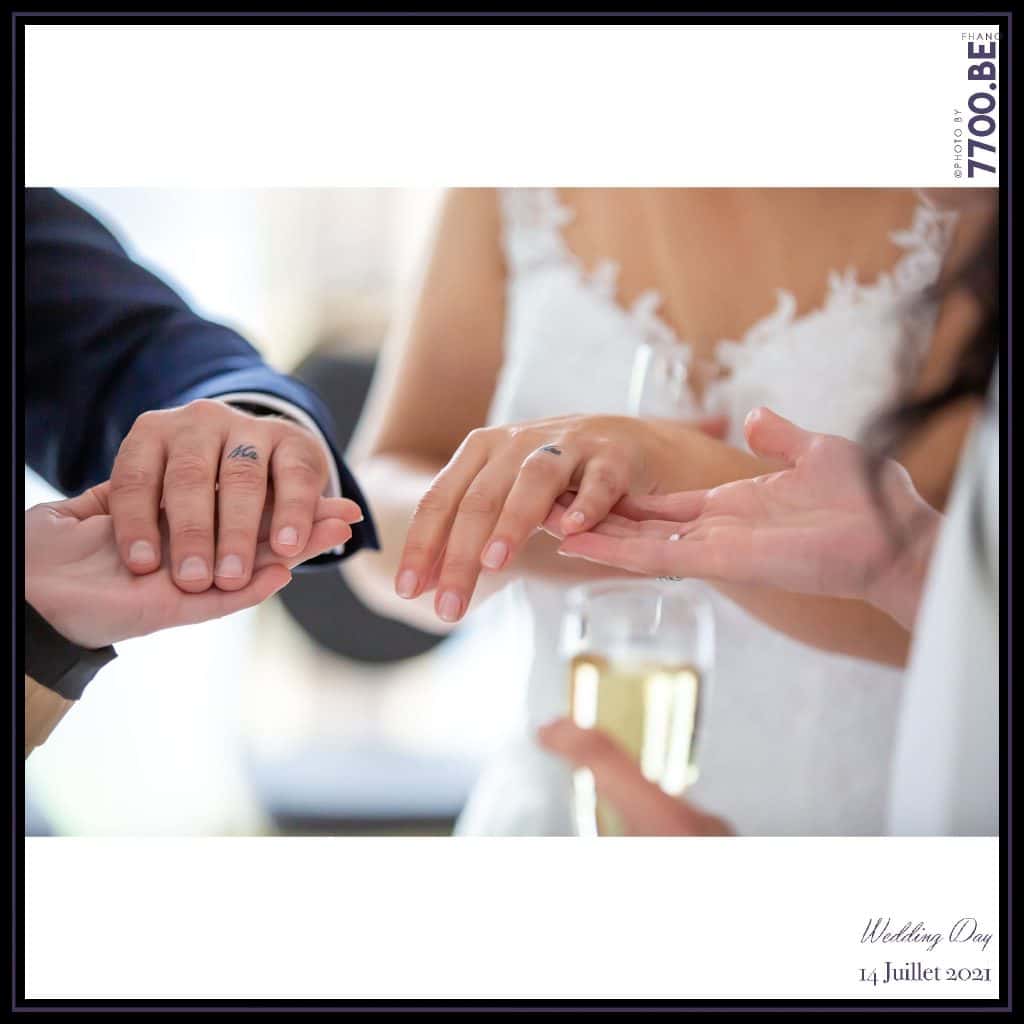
(308, 715)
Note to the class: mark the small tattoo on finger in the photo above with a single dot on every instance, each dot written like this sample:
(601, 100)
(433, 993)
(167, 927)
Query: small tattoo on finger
(552, 448)
(244, 451)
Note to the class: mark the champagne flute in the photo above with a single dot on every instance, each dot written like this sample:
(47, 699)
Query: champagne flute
(640, 656)
(667, 377)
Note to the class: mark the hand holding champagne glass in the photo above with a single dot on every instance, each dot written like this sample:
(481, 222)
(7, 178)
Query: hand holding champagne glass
(640, 656)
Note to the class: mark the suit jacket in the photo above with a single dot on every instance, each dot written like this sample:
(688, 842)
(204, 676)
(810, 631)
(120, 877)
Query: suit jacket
(106, 340)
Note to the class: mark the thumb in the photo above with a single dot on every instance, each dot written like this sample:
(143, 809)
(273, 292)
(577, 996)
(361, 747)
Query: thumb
(93, 502)
(770, 435)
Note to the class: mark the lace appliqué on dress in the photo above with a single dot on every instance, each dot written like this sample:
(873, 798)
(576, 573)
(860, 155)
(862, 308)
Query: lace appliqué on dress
(534, 219)
(532, 223)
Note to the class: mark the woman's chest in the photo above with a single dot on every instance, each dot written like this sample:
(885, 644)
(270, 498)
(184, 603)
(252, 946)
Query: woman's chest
(579, 340)
(570, 348)
(718, 257)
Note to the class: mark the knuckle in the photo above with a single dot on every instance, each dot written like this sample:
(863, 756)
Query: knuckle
(480, 437)
(238, 508)
(433, 502)
(820, 446)
(145, 422)
(615, 452)
(294, 504)
(526, 435)
(235, 537)
(129, 477)
(192, 532)
(896, 474)
(478, 503)
(417, 551)
(302, 456)
(242, 475)
(541, 466)
(458, 566)
(301, 473)
(514, 525)
(188, 470)
(205, 408)
(605, 478)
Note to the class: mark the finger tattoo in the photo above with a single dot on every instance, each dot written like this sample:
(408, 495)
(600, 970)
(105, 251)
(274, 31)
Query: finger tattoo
(552, 448)
(244, 451)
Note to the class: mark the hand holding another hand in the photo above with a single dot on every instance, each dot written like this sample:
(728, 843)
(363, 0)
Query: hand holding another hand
(75, 577)
(815, 527)
(214, 472)
(501, 484)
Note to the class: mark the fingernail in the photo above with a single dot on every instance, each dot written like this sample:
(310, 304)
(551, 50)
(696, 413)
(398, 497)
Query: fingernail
(449, 607)
(575, 518)
(288, 536)
(495, 554)
(193, 568)
(141, 553)
(407, 582)
(231, 568)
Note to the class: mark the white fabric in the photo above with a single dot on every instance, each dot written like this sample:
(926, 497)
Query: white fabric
(796, 741)
(946, 765)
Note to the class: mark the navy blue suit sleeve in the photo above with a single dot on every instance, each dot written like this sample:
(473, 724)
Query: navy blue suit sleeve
(106, 340)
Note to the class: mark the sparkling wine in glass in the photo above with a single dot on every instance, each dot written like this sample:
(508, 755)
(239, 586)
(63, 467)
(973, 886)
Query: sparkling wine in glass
(640, 656)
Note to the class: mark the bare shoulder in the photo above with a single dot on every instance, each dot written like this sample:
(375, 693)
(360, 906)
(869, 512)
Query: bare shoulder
(440, 367)
(474, 211)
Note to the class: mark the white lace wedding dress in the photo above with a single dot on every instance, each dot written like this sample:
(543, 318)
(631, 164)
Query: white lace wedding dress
(795, 741)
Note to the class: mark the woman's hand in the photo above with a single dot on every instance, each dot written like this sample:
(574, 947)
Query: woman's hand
(815, 527)
(646, 809)
(76, 578)
(501, 484)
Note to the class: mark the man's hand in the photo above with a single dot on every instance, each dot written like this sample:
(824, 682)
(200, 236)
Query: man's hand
(212, 469)
(75, 579)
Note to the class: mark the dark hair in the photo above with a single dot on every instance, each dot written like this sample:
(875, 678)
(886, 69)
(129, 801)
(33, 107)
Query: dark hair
(975, 363)
(971, 376)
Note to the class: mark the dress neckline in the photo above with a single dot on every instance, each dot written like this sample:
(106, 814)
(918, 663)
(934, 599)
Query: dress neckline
(924, 243)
